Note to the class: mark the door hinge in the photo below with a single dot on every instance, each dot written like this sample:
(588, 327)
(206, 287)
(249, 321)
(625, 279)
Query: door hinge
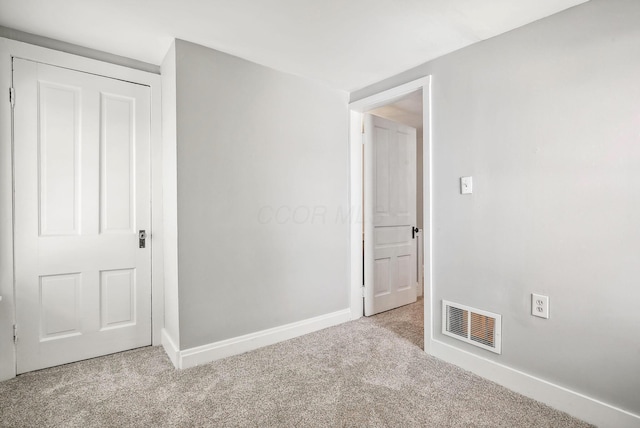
(15, 334)
(363, 291)
(12, 97)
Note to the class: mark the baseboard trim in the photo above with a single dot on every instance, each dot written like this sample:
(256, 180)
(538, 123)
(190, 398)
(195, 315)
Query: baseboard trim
(578, 405)
(170, 347)
(238, 345)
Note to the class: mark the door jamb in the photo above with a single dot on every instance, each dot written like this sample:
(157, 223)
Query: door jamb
(356, 111)
(8, 50)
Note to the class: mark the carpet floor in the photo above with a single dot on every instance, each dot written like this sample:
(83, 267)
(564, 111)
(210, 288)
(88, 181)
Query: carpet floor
(366, 373)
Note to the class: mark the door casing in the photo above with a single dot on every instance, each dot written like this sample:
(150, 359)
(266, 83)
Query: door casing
(356, 111)
(8, 50)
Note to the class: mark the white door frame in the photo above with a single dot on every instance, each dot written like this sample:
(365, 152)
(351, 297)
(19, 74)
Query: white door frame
(8, 50)
(357, 109)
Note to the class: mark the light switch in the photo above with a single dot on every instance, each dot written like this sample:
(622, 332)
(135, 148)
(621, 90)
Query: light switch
(466, 185)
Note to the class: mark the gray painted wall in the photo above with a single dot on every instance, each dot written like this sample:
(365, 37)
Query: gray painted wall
(262, 178)
(169, 187)
(546, 119)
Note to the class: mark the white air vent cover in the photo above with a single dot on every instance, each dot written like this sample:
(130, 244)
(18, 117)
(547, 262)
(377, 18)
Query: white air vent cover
(474, 326)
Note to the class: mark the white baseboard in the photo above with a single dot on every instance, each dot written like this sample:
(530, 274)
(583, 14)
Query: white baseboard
(578, 405)
(237, 345)
(170, 347)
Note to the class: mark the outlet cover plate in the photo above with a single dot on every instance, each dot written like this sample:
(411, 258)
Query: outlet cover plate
(540, 306)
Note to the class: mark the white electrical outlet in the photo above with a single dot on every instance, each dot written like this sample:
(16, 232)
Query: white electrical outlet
(540, 305)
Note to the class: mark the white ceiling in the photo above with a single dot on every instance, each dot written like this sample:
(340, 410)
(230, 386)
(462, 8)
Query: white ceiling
(407, 110)
(346, 43)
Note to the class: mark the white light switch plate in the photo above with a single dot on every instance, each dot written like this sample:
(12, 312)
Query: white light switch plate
(466, 185)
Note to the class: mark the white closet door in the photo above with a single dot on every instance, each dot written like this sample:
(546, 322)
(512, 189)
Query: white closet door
(82, 193)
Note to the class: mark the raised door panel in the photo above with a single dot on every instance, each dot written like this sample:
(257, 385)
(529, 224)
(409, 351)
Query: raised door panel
(59, 158)
(117, 298)
(382, 172)
(59, 299)
(117, 167)
(405, 268)
(403, 196)
(383, 276)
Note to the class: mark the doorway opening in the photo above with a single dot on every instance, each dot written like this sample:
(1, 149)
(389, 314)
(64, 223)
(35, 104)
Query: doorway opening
(402, 110)
(408, 111)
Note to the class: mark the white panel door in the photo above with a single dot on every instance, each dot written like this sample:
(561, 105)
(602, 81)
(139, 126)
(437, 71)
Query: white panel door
(82, 193)
(390, 214)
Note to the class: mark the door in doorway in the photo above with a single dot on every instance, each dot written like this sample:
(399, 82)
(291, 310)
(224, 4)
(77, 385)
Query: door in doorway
(390, 214)
(82, 194)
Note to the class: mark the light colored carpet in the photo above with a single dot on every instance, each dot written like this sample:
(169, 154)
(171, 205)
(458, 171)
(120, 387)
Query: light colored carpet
(367, 373)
